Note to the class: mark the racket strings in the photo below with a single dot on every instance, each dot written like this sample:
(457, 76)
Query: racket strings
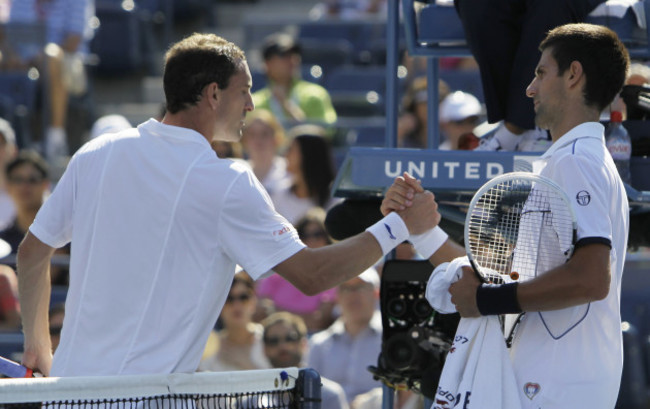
(518, 230)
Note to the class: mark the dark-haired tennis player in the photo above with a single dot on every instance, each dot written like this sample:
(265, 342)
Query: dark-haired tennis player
(158, 222)
(567, 351)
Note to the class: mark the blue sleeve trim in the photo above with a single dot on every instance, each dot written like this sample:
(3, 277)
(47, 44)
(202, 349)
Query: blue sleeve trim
(593, 240)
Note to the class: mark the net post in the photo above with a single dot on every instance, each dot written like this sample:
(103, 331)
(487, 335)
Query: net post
(308, 389)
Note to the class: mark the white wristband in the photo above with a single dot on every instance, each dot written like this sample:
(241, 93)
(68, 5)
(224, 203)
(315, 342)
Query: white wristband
(389, 232)
(428, 243)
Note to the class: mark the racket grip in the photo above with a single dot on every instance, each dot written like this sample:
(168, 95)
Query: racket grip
(14, 369)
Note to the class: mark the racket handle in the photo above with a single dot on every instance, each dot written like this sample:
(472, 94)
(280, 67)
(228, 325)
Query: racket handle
(14, 369)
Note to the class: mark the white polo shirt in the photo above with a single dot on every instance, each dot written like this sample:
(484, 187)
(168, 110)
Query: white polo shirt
(573, 358)
(157, 224)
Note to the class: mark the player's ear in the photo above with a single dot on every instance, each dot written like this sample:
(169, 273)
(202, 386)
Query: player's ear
(575, 73)
(211, 93)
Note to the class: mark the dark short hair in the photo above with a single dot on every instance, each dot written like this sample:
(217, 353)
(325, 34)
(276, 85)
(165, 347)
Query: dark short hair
(604, 59)
(193, 63)
(30, 157)
(279, 44)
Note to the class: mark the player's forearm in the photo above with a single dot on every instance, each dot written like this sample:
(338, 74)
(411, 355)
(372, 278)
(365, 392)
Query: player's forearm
(585, 278)
(34, 290)
(315, 270)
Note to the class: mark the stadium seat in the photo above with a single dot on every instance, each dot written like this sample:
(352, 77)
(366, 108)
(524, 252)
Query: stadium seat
(20, 95)
(11, 344)
(117, 42)
(366, 135)
(464, 80)
(58, 294)
(367, 39)
(327, 54)
(357, 91)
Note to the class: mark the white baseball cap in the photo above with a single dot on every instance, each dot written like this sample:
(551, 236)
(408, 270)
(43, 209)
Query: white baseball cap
(109, 124)
(458, 106)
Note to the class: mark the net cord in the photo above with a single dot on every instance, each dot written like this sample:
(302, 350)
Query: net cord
(135, 386)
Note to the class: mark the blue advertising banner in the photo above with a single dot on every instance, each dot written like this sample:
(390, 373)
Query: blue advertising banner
(438, 170)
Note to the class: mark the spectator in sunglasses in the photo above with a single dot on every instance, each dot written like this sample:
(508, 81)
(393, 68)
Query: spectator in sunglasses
(285, 345)
(28, 185)
(315, 310)
(238, 344)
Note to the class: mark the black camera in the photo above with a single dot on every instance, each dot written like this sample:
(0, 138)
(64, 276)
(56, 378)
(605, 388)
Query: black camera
(415, 338)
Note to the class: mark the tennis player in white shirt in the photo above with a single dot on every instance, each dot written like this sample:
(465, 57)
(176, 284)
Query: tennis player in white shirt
(158, 222)
(567, 352)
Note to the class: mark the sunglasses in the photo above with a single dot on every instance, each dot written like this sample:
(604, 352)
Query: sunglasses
(32, 180)
(275, 341)
(241, 298)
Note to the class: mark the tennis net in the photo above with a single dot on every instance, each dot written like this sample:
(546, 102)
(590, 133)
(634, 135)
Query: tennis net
(288, 388)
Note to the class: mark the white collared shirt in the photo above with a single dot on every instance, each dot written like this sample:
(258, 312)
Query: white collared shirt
(157, 224)
(573, 357)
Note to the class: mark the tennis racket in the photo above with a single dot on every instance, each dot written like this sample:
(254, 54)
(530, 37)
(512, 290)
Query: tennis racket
(519, 225)
(14, 369)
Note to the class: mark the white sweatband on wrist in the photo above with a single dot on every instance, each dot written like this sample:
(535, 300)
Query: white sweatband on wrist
(428, 243)
(389, 232)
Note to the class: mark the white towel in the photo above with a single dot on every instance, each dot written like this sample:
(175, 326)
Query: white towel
(437, 288)
(477, 372)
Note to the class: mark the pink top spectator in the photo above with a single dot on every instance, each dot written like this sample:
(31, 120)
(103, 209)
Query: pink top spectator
(288, 298)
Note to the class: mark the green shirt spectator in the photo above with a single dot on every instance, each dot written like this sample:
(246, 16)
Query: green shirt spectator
(313, 100)
(286, 95)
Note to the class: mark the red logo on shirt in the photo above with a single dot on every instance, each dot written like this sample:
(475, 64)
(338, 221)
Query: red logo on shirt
(284, 229)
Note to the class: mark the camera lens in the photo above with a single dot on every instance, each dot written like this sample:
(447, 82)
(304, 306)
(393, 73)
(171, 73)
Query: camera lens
(401, 352)
(396, 307)
(422, 308)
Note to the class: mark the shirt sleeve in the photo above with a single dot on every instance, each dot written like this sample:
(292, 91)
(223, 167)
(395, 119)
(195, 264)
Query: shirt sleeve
(77, 15)
(53, 222)
(585, 183)
(251, 232)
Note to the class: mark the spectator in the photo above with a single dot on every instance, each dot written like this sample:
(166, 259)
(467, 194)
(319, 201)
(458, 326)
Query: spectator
(240, 339)
(412, 123)
(57, 313)
(262, 138)
(28, 184)
(285, 345)
(317, 310)
(68, 33)
(503, 37)
(344, 350)
(286, 95)
(311, 165)
(459, 115)
(7, 153)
